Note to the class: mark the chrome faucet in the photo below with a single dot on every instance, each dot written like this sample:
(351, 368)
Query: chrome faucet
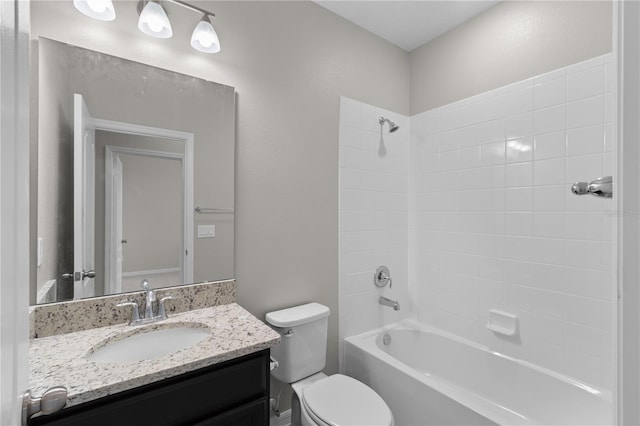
(388, 302)
(150, 297)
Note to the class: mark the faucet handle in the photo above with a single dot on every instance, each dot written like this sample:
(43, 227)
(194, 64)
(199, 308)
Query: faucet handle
(144, 284)
(135, 314)
(162, 313)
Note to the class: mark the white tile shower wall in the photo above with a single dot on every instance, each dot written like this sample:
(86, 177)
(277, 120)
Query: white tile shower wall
(374, 182)
(493, 223)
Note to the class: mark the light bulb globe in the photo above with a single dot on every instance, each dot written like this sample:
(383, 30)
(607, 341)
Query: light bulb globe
(102, 10)
(204, 37)
(154, 21)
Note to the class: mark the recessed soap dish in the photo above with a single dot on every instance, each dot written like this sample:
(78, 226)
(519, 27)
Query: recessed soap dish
(501, 322)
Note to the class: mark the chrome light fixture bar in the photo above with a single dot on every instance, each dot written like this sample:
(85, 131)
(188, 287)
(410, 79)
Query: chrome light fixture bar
(153, 20)
(192, 7)
(204, 37)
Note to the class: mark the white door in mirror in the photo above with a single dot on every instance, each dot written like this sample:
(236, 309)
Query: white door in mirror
(84, 142)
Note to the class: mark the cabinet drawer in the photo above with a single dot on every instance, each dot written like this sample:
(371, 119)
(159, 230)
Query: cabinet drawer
(181, 400)
(252, 414)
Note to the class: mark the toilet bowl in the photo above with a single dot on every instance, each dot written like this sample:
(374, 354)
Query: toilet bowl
(340, 400)
(318, 399)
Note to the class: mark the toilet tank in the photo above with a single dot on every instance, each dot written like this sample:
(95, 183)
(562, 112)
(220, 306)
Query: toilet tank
(303, 347)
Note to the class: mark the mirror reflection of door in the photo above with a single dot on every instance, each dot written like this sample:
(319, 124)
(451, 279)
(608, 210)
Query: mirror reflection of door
(141, 192)
(150, 221)
(84, 202)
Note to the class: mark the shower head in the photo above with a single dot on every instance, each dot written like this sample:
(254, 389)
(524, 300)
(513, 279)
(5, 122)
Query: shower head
(392, 126)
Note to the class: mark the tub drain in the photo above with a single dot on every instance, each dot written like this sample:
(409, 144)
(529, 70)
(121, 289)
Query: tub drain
(386, 339)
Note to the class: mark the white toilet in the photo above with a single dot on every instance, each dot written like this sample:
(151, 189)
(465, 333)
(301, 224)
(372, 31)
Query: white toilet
(319, 399)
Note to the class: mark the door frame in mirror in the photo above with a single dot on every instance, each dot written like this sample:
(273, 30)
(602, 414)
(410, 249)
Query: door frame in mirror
(187, 140)
(113, 282)
(84, 174)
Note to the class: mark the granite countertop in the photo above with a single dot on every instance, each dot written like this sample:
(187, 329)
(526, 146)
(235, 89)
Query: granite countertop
(62, 359)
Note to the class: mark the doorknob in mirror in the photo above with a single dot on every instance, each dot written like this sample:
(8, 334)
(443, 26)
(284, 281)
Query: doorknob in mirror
(78, 276)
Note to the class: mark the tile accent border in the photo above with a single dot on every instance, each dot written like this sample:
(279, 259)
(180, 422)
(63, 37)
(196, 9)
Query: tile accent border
(77, 315)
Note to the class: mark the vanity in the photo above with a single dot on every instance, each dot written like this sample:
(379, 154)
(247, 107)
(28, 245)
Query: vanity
(234, 392)
(221, 379)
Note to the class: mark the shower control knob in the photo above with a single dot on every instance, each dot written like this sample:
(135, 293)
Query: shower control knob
(382, 277)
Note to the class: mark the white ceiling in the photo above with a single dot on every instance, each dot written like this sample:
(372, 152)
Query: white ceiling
(407, 24)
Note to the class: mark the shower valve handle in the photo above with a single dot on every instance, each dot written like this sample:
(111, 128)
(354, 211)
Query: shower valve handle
(382, 277)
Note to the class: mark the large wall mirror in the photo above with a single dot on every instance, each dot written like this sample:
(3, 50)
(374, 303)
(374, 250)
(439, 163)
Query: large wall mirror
(134, 176)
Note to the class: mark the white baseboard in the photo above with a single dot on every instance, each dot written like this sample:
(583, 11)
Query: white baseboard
(150, 272)
(283, 420)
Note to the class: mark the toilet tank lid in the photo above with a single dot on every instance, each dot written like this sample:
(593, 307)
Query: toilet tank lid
(297, 315)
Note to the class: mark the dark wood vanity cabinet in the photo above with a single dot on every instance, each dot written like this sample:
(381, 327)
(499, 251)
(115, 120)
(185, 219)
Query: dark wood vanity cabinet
(232, 393)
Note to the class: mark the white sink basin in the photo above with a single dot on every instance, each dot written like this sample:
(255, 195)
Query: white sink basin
(149, 345)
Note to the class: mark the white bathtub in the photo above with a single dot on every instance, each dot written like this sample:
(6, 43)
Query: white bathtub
(429, 377)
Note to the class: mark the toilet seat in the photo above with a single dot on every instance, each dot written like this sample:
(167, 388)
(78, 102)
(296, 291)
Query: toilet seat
(340, 400)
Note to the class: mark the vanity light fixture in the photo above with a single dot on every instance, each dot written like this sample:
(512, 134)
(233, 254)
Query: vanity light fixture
(204, 37)
(153, 20)
(101, 10)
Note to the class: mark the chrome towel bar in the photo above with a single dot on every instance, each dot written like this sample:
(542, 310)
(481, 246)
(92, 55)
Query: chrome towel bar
(204, 210)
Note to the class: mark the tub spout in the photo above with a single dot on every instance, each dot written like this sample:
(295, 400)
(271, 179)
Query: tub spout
(388, 302)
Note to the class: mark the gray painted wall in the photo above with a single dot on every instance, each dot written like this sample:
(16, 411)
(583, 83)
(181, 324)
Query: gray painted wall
(55, 204)
(512, 41)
